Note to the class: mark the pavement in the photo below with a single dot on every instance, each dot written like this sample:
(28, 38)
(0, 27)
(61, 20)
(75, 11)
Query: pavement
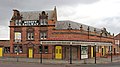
(21, 64)
(54, 61)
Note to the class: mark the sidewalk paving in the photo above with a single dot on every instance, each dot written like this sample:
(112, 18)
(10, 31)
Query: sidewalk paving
(54, 61)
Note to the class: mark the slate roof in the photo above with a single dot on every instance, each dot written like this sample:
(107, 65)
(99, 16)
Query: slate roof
(34, 15)
(74, 25)
(117, 37)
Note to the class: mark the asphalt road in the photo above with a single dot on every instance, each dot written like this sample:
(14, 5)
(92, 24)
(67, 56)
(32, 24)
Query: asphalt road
(19, 64)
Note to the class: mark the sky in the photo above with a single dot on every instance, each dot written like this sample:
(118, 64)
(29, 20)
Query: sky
(96, 13)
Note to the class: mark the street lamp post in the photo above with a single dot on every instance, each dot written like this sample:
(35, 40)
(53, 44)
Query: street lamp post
(17, 52)
(95, 52)
(111, 53)
(70, 54)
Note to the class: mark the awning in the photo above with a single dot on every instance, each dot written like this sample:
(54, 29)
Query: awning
(75, 43)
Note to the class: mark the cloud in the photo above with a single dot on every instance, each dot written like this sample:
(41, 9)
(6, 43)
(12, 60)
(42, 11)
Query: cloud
(4, 33)
(82, 11)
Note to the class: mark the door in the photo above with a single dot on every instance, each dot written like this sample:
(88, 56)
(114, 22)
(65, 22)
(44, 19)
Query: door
(1, 51)
(30, 53)
(58, 52)
(67, 53)
(74, 53)
(91, 52)
(114, 51)
(102, 51)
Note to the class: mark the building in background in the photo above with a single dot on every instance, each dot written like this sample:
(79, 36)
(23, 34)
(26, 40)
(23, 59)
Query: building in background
(4, 47)
(117, 42)
(29, 30)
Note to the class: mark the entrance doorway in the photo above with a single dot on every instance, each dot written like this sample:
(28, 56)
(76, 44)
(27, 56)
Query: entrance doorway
(58, 52)
(30, 54)
(102, 51)
(114, 51)
(1, 51)
(92, 52)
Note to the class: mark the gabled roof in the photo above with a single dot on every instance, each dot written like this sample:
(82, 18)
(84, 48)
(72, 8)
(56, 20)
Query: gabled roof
(75, 25)
(34, 15)
(117, 36)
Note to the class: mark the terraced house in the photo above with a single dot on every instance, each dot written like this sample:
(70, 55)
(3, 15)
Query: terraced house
(35, 32)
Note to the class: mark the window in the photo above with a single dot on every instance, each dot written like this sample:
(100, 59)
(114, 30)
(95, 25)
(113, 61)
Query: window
(43, 35)
(43, 22)
(43, 49)
(17, 36)
(109, 49)
(18, 49)
(15, 49)
(40, 49)
(97, 49)
(46, 49)
(30, 36)
(7, 50)
(18, 22)
(29, 23)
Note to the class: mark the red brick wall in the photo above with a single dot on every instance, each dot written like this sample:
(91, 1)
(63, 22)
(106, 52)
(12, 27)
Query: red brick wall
(15, 55)
(45, 56)
(53, 35)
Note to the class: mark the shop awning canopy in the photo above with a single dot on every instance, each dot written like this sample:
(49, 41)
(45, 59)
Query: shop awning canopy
(75, 43)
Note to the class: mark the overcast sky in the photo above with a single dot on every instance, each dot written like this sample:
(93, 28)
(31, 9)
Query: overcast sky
(97, 13)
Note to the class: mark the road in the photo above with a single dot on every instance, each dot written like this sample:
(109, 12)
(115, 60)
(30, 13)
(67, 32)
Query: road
(19, 64)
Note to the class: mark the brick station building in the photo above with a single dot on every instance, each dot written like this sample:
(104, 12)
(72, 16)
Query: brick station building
(35, 32)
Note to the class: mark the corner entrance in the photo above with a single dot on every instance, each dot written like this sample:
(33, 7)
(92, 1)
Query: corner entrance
(30, 54)
(1, 51)
(58, 52)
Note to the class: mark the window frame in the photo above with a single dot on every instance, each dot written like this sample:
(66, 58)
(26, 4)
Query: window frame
(46, 50)
(43, 22)
(18, 22)
(43, 35)
(15, 36)
(6, 50)
(31, 36)
(40, 49)
(17, 49)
